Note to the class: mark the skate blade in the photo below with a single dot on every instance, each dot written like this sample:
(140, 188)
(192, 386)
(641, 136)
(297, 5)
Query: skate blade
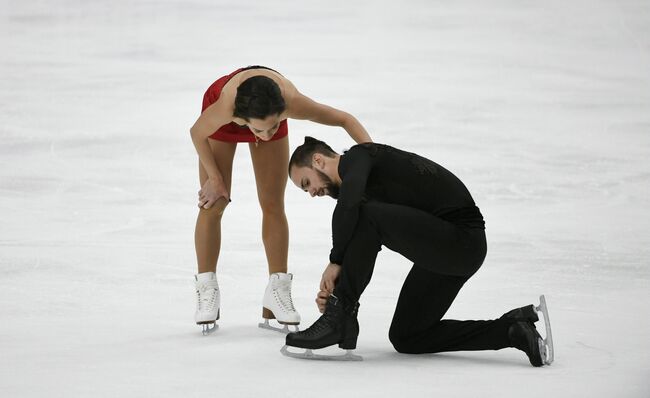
(546, 344)
(209, 328)
(284, 330)
(309, 354)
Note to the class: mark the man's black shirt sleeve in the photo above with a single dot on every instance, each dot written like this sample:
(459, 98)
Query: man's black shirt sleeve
(354, 168)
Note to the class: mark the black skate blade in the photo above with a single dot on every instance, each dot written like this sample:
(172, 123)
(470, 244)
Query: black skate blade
(546, 344)
(283, 330)
(209, 328)
(309, 354)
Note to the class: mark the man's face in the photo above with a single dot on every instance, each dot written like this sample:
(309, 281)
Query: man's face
(314, 182)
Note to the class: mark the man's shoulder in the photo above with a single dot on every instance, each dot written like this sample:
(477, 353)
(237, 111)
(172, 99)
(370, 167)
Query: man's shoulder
(360, 156)
(373, 148)
(389, 155)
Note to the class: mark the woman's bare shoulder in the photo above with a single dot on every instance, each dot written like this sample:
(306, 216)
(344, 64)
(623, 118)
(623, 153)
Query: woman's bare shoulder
(287, 88)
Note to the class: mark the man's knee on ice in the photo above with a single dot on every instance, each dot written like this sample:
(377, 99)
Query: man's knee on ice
(401, 342)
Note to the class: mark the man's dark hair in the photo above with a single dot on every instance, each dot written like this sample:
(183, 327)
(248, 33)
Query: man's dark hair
(258, 97)
(301, 157)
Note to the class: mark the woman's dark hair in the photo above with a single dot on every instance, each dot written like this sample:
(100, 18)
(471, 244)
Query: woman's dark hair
(301, 157)
(258, 97)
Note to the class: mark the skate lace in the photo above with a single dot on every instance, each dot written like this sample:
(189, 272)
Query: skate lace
(283, 297)
(321, 323)
(206, 294)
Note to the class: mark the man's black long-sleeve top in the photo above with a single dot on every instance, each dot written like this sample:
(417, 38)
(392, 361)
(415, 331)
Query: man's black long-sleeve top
(377, 172)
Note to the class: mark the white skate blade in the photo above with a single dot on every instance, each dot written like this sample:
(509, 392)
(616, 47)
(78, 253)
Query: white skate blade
(309, 354)
(209, 328)
(284, 330)
(546, 344)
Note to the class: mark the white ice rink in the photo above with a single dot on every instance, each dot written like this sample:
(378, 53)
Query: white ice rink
(541, 107)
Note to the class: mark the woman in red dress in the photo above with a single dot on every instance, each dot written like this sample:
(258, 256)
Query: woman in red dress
(251, 105)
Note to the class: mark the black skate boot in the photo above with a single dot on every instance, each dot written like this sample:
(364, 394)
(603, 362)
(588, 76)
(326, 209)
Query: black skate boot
(525, 337)
(337, 325)
(525, 314)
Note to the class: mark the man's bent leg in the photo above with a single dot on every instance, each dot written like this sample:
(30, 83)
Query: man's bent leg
(338, 324)
(359, 260)
(422, 237)
(419, 236)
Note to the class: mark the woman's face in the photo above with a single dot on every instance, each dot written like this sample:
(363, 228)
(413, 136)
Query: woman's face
(264, 129)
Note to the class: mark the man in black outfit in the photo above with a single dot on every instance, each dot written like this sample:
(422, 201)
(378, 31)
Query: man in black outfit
(419, 209)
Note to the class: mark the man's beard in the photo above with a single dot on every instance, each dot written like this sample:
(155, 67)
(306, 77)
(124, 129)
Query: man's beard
(332, 188)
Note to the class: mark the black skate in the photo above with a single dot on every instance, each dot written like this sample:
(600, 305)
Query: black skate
(337, 325)
(525, 337)
(523, 314)
(530, 314)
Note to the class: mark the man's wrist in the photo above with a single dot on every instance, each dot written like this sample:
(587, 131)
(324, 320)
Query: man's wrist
(334, 260)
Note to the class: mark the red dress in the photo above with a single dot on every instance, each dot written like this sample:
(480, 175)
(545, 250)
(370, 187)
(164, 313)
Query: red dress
(232, 132)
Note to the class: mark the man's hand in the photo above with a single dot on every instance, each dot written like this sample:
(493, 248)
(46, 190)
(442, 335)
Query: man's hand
(330, 275)
(321, 300)
(327, 283)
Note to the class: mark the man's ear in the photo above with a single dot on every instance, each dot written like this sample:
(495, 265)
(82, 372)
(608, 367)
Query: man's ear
(317, 161)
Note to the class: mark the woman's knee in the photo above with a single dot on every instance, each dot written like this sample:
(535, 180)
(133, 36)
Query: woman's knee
(272, 207)
(214, 213)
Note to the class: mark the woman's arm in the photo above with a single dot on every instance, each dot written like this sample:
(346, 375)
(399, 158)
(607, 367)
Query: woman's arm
(210, 120)
(304, 108)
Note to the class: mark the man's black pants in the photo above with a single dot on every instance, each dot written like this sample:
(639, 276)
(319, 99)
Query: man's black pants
(444, 257)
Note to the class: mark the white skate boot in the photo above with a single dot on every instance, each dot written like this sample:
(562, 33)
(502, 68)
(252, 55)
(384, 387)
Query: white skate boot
(208, 301)
(278, 304)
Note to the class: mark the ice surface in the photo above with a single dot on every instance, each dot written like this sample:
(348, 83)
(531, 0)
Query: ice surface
(542, 108)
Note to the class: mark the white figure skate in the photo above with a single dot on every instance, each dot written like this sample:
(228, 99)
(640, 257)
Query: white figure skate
(278, 304)
(208, 301)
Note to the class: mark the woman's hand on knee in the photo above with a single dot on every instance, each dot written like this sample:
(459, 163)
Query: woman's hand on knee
(211, 191)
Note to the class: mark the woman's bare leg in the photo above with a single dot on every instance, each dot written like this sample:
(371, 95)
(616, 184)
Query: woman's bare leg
(207, 235)
(270, 161)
